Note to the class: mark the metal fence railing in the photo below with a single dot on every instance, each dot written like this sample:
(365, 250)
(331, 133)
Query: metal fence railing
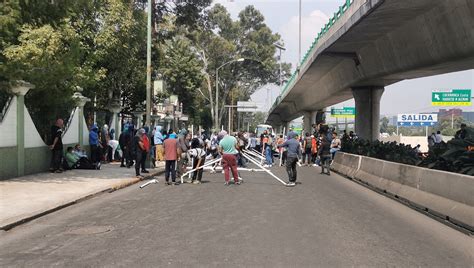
(337, 15)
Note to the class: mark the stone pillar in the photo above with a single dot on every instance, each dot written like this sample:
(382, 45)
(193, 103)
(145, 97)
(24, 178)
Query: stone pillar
(367, 102)
(138, 115)
(115, 108)
(80, 102)
(309, 118)
(20, 88)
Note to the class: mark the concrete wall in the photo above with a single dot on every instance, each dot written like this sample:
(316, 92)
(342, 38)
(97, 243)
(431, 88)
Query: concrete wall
(8, 126)
(448, 195)
(36, 153)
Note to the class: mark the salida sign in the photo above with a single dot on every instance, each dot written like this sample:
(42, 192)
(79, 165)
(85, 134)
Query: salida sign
(417, 119)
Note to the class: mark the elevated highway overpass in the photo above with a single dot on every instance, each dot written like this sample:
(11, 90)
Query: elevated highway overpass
(370, 44)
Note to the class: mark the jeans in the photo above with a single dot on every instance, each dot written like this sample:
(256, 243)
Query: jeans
(325, 164)
(268, 155)
(170, 168)
(307, 155)
(229, 163)
(291, 168)
(333, 151)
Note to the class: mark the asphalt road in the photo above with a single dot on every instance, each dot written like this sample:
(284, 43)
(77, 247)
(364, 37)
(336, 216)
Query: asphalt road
(322, 222)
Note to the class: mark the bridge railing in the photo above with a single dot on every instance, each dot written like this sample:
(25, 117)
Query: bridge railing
(337, 15)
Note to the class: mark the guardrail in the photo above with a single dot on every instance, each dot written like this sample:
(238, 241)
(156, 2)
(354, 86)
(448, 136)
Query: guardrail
(337, 15)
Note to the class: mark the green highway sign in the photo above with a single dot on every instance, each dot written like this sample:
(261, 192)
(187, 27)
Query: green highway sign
(456, 97)
(346, 112)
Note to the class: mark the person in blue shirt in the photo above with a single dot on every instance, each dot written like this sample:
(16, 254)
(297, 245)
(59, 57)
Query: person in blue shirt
(293, 149)
(95, 144)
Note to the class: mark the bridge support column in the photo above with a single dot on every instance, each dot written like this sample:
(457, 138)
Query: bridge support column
(309, 119)
(367, 102)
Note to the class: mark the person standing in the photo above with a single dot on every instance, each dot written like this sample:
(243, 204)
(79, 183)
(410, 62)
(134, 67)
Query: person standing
(170, 147)
(95, 144)
(147, 146)
(228, 149)
(158, 138)
(139, 151)
(293, 153)
(198, 154)
(462, 133)
(438, 137)
(325, 154)
(124, 141)
(307, 149)
(183, 146)
(56, 146)
(335, 145)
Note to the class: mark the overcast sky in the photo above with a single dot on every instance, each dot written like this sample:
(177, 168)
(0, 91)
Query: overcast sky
(409, 96)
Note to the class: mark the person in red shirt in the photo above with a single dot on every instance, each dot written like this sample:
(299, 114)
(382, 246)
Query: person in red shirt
(170, 146)
(146, 145)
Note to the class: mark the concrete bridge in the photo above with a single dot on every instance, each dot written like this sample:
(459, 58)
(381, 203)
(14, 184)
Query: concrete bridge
(370, 44)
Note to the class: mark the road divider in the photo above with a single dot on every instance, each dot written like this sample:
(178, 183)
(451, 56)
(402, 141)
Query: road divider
(448, 196)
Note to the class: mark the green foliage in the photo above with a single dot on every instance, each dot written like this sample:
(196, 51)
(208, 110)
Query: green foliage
(453, 156)
(390, 151)
(456, 155)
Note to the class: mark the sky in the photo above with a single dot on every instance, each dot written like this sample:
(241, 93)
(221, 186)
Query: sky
(409, 96)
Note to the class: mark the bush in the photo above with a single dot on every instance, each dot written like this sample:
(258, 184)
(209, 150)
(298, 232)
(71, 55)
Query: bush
(457, 155)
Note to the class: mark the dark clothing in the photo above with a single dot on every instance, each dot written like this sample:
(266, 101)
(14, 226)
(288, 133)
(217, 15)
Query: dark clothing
(197, 175)
(307, 155)
(57, 152)
(291, 168)
(170, 168)
(140, 162)
(325, 155)
(56, 159)
(57, 132)
(84, 163)
(460, 134)
(95, 154)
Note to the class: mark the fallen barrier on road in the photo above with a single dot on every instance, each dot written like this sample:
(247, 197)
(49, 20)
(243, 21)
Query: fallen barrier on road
(446, 195)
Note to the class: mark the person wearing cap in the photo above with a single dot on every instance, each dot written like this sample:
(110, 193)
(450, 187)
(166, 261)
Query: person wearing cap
(228, 149)
(170, 146)
(293, 149)
(139, 151)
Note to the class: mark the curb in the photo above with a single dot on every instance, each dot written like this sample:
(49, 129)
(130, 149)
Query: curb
(114, 188)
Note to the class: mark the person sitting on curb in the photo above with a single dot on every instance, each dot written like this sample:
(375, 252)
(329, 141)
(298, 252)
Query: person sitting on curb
(76, 162)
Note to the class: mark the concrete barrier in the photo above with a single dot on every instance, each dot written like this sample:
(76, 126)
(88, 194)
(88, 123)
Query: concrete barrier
(444, 194)
(346, 164)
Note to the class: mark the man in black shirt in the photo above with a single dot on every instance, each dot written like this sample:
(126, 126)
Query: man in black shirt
(56, 146)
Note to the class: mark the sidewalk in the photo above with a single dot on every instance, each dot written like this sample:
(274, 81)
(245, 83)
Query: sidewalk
(31, 196)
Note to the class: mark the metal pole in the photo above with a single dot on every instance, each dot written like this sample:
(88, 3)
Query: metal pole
(148, 67)
(452, 120)
(299, 38)
(230, 131)
(217, 98)
(280, 72)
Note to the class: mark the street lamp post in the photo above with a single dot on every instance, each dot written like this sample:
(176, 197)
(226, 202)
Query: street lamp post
(280, 48)
(217, 88)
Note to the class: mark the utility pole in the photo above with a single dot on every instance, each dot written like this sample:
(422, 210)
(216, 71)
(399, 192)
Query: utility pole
(299, 39)
(148, 67)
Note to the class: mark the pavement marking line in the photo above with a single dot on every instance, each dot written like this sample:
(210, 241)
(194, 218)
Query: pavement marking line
(266, 170)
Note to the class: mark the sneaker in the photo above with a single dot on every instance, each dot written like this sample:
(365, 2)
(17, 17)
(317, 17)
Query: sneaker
(266, 166)
(290, 183)
(196, 182)
(237, 183)
(145, 171)
(175, 183)
(315, 165)
(226, 183)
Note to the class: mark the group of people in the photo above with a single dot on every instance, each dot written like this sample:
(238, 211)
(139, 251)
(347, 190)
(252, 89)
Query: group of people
(74, 157)
(178, 149)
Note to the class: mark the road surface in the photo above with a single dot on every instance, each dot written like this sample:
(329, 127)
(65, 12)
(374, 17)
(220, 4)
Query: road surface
(324, 221)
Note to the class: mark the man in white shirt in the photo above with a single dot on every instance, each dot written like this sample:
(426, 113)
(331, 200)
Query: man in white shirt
(438, 137)
(199, 157)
